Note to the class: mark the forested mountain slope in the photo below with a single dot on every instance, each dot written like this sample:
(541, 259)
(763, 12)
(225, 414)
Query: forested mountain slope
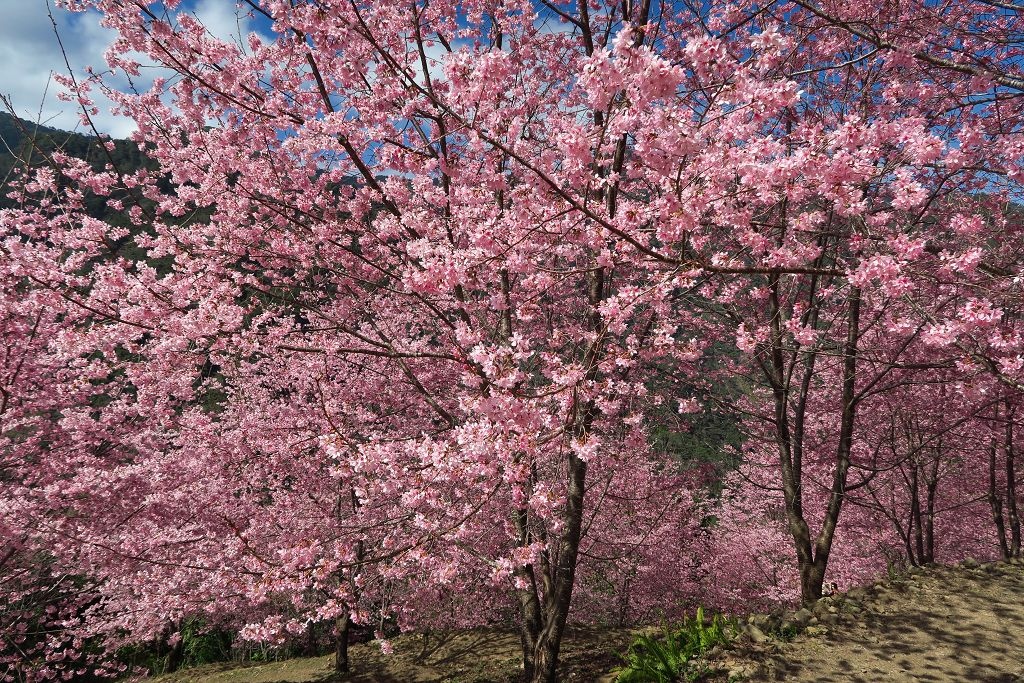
(23, 141)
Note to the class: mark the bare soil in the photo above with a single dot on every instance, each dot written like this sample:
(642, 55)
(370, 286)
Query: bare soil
(940, 625)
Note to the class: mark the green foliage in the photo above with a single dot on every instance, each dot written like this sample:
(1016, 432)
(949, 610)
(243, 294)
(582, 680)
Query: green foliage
(786, 632)
(672, 656)
(709, 439)
(26, 144)
(199, 644)
(204, 645)
(713, 438)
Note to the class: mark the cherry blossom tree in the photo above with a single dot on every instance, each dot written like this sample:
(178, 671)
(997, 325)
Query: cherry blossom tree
(411, 274)
(866, 191)
(432, 360)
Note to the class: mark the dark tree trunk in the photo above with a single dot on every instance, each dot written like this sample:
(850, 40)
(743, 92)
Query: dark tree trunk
(343, 624)
(540, 662)
(813, 574)
(779, 365)
(175, 657)
(906, 537)
(529, 601)
(812, 580)
(544, 612)
(790, 443)
(1011, 489)
(549, 642)
(995, 501)
(545, 608)
(310, 649)
(917, 558)
(341, 627)
(932, 487)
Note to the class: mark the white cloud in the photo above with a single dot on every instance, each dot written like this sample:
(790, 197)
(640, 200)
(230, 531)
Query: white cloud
(30, 54)
(223, 20)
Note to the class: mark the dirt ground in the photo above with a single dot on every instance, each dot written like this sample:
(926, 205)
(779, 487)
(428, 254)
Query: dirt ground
(477, 656)
(944, 625)
(941, 625)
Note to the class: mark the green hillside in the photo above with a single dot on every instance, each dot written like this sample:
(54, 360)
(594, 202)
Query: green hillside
(25, 143)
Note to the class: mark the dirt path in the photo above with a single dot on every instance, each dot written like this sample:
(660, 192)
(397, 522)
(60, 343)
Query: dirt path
(943, 625)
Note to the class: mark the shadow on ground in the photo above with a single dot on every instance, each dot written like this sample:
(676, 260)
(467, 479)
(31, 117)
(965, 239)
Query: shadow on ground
(941, 626)
(474, 656)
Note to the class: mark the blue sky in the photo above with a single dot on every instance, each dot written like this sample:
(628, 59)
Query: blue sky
(29, 53)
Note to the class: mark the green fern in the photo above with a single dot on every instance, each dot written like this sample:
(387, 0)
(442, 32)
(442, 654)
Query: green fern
(669, 658)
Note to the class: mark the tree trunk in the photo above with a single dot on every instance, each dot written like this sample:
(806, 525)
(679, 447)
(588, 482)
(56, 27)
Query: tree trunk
(812, 576)
(556, 602)
(540, 663)
(342, 624)
(1011, 489)
(812, 579)
(790, 444)
(907, 538)
(917, 557)
(529, 631)
(544, 616)
(310, 649)
(995, 501)
(529, 602)
(932, 487)
(175, 657)
(789, 421)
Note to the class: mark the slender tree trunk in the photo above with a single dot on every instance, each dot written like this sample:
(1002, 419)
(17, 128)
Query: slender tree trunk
(813, 574)
(544, 612)
(529, 632)
(544, 622)
(932, 486)
(561, 573)
(995, 501)
(341, 626)
(529, 601)
(789, 444)
(175, 656)
(1011, 489)
(915, 513)
(909, 546)
(812, 557)
(549, 641)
